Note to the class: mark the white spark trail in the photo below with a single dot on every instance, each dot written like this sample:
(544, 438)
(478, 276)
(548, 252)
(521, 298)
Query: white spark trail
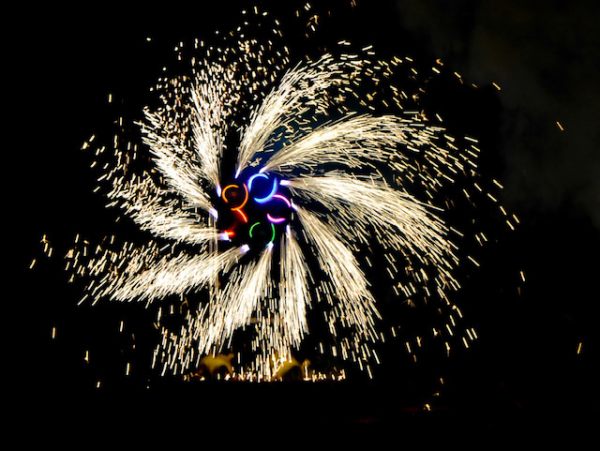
(146, 206)
(351, 293)
(239, 301)
(352, 141)
(171, 275)
(294, 295)
(208, 117)
(365, 142)
(300, 88)
(176, 163)
(406, 223)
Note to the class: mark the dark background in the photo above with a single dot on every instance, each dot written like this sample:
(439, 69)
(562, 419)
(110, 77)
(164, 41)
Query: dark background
(524, 374)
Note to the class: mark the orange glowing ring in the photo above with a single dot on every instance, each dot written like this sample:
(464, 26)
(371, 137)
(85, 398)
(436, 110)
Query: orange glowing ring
(225, 190)
(245, 199)
(237, 209)
(241, 213)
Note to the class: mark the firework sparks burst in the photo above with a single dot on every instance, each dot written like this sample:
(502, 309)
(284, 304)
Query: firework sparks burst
(267, 185)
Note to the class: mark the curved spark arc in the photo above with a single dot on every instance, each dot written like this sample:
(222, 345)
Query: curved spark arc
(208, 114)
(301, 82)
(174, 276)
(352, 141)
(349, 291)
(170, 158)
(240, 299)
(143, 203)
(293, 288)
(411, 225)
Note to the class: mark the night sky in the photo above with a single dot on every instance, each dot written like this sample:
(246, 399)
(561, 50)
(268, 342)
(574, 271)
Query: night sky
(524, 374)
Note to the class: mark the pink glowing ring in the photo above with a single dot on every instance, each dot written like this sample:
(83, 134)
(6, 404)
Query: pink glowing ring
(275, 220)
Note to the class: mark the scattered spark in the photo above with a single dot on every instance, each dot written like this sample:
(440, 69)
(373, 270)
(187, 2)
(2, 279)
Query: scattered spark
(473, 261)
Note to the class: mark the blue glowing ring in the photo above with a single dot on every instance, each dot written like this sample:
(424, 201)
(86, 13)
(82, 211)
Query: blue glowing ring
(263, 200)
(251, 179)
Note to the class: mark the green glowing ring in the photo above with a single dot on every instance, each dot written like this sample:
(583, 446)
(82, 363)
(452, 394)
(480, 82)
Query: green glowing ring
(257, 223)
(272, 233)
(252, 228)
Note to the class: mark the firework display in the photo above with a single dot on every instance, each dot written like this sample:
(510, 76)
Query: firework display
(269, 188)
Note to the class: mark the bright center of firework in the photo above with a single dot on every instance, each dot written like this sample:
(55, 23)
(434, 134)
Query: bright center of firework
(253, 209)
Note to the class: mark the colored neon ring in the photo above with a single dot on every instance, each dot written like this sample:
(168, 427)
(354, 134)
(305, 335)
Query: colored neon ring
(225, 190)
(257, 223)
(252, 228)
(272, 233)
(283, 198)
(274, 219)
(251, 179)
(241, 213)
(262, 200)
(245, 198)
(236, 186)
